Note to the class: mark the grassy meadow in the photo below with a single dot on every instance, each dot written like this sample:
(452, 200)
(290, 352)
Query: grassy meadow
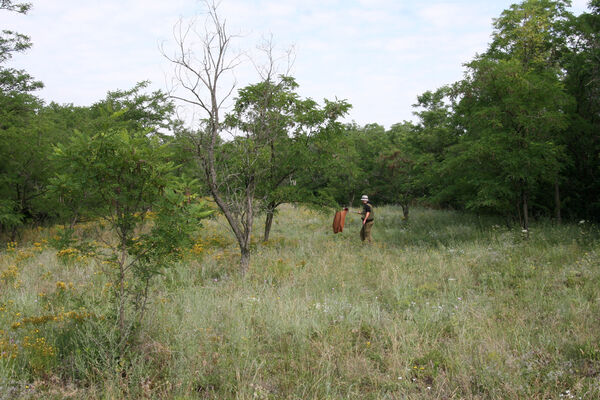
(445, 306)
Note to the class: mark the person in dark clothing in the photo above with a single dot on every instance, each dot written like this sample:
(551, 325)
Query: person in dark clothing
(367, 219)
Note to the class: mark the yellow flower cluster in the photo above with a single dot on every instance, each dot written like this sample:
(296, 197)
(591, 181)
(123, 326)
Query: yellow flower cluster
(34, 348)
(23, 255)
(4, 306)
(11, 246)
(8, 347)
(70, 255)
(60, 285)
(40, 246)
(39, 346)
(77, 316)
(205, 244)
(9, 274)
(197, 249)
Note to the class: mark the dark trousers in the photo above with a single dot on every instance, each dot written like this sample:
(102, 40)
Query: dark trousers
(365, 232)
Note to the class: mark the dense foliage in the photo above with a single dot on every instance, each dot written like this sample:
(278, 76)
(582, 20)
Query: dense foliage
(517, 137)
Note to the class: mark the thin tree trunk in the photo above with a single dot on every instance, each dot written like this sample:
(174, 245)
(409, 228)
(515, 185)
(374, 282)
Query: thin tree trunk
(519, 215)
(73, 221)
(405, 211)
(268, 223)
(122, 291)
(245, 260)
(242, 230)
(214, 43)
(351, 200)
(557, 215)
(525, 214)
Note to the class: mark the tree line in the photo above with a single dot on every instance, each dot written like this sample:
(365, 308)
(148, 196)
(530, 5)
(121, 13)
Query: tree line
(518, 136)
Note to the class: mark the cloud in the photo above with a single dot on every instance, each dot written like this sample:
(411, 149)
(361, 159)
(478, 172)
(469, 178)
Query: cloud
(378, 54)
(580, 6)
(450, 16)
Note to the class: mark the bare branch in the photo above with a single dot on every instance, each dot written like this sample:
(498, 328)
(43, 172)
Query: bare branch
(199, 79)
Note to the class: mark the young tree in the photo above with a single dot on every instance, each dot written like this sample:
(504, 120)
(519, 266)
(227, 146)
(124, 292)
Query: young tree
(122, 177)
(405, 166)
(200, 72)
(132, 110)
(419, 149)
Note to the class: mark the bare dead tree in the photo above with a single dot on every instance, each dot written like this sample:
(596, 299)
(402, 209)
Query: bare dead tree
(202, 63)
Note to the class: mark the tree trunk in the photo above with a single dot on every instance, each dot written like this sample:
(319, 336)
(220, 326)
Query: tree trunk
(13, 233)
(268, 223)
(351, 200)
(518, 207)
(121, 300)
(405, 211)
(557, 215)
(245, 260)
(73, 221)
(206, 71)
(525, 214)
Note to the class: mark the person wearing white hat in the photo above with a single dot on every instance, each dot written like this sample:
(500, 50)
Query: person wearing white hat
(367, 219)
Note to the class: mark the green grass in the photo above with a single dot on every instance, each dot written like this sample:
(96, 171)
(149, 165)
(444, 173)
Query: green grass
(445, 306)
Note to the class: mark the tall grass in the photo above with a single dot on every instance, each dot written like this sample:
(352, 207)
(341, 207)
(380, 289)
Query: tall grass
(445, 306)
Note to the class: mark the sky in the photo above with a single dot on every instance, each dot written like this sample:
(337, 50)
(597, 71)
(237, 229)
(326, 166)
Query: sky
(378, 55)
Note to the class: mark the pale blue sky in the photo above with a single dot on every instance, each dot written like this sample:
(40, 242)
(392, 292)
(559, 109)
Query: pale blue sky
(377, 54)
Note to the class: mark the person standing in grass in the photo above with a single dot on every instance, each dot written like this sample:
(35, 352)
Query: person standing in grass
(367, 219)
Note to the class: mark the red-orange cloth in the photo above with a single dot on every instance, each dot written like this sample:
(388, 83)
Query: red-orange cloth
(339, 220)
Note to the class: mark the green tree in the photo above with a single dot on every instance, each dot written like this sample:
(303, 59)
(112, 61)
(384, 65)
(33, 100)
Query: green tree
(21, 178)
(10, 41)
(344, 173)
(582, 64)
(122, 177)
(535, 32)
(132, 110)
(284, 130)
(405, 165)
(355, 167)
(419, 150)
(509, 115)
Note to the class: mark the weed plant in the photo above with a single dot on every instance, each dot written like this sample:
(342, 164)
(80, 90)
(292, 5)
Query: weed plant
(445, 306)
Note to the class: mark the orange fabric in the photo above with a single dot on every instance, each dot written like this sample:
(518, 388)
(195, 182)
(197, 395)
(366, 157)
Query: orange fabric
(343, 220)
(339, 220)
(336, 222)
